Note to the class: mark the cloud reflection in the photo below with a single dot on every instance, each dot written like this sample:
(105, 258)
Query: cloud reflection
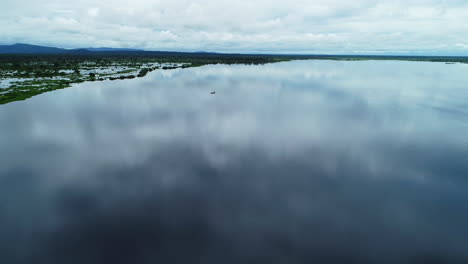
(300, 162)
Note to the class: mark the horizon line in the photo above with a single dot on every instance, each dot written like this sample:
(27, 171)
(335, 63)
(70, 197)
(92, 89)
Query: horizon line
(290, 53)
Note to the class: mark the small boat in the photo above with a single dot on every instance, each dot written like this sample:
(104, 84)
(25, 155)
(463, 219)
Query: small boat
(213, 92)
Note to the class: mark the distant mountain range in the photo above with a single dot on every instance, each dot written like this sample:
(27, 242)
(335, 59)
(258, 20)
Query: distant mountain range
(20, 48)
(111, 49)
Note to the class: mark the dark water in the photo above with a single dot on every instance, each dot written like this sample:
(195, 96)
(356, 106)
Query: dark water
(297, 162)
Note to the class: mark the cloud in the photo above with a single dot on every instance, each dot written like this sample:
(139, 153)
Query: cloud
(430, 26)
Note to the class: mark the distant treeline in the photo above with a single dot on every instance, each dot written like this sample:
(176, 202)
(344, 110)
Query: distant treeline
(197, 59)
(140, 57)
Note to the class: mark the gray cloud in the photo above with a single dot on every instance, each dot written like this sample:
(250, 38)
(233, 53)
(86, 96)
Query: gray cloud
(318, 26)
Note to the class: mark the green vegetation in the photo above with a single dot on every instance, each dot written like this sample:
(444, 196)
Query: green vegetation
(24, 76)
(143, 72)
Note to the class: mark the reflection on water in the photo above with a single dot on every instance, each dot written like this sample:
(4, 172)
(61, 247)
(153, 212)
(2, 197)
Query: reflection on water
(297, 162)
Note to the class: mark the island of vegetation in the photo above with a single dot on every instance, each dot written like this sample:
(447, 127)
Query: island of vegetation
(25, 75)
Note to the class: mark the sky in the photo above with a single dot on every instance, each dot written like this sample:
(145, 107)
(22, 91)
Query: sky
(432, 27)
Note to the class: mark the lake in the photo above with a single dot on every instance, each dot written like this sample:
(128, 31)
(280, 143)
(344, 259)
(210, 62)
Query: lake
(292, 162)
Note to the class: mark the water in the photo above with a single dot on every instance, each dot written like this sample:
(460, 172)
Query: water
(295, 162)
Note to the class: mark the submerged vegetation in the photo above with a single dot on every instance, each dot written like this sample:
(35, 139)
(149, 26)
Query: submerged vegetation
(23, 76)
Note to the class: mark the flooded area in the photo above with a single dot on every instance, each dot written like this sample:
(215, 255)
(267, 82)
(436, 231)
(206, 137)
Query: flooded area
(291, 162)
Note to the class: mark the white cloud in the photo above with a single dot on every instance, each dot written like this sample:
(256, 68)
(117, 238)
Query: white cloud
(93, 12)
(312, 26)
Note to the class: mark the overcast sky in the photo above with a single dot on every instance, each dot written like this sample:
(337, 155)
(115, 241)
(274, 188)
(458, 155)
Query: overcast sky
(294, 26)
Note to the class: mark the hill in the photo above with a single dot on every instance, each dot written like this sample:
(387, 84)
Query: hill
(21, 48)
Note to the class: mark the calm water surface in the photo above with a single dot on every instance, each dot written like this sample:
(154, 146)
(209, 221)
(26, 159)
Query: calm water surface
(295, 162)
